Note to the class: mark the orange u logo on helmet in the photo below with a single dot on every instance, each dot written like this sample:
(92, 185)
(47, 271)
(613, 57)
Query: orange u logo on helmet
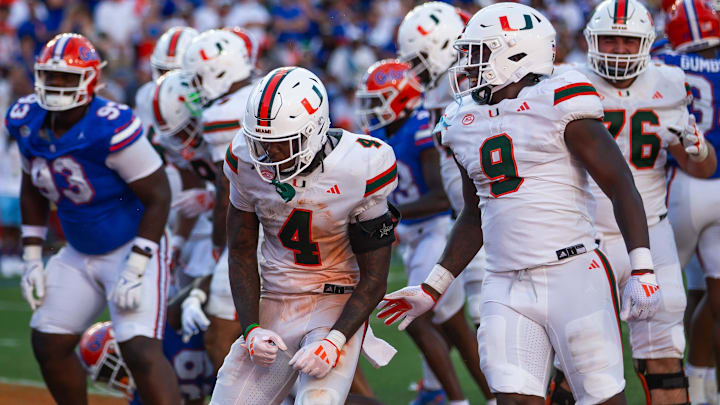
(307, 105)
(505, 25)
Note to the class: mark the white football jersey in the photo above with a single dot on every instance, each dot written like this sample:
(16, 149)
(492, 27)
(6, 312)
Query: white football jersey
(638, 117)
(306, 244)
(535, 201)
(143, 107)
(222, 119)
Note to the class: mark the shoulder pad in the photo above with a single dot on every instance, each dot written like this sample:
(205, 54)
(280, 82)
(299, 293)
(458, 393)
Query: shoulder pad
(22, 111)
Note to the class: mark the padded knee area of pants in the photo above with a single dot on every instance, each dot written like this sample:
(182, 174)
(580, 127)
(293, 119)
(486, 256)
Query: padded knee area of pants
(318, 396)
(511, 369)
(588, 344)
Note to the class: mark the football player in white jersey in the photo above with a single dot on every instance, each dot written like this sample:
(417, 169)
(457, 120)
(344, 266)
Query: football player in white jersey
(320, 195)
(692, 28)
(425, 39)
(525, 143)
(166, 56)
(645, 110)
(221, 68)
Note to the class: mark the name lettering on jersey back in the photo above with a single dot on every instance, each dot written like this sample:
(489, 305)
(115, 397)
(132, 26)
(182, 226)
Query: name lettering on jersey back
(699, 64)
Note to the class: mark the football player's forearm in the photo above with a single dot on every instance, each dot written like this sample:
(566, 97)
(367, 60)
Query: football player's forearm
(428, 204)
(34, 208)
(222, 200)
(630, 215)
(185, 225)
(245, 286)
(154, 193)
(704, 168)
(243, 229)
(374, 267)
(464, 242)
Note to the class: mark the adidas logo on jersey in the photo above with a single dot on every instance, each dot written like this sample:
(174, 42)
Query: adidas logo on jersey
(334, 190)
(523, 107)
(657, 95)
(593, 265)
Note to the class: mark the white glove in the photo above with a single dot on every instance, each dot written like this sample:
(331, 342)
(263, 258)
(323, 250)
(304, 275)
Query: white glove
(641, 297)
(263, 345)
(692, 139)
(193, 318)
(127, 293)
(194, 201)
(316, 359)
(408, 303)
(33, 278)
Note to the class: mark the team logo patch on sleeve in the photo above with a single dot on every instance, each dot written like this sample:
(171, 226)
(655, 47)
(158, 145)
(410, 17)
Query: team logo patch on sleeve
(381, 180)
(574, 90)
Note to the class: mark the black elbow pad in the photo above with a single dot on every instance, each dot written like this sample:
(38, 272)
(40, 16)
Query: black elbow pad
(366, 236)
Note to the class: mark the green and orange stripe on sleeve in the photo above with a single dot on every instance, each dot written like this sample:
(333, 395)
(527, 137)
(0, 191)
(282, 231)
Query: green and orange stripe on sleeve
(219, 126)
(574, 90)
(231, 160)
(688, 90)
(268, 96)
(381, 180)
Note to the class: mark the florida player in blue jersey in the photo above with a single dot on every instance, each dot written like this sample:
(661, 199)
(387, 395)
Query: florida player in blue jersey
(88, 156)
(693, 30)
(390, 98)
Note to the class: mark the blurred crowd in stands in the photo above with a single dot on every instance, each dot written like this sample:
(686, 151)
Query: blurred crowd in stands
(337, 39)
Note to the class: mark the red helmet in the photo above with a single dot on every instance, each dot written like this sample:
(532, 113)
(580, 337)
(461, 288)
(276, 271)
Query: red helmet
(667, 5)
(388, 91)
(249, 40)
(100, 354)
(692, 25)
(73, 54)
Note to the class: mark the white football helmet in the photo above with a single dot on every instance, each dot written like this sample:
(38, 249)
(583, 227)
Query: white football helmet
(520, 41)
(175, 116)
(627, 18)
(427, 33)
(217, 59)
(169, 49)
(290, 105)
(249, 40)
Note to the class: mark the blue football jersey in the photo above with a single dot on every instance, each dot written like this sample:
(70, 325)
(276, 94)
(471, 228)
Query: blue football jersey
(412, 138)
(195, 373)
(97, 210)
(703, 76)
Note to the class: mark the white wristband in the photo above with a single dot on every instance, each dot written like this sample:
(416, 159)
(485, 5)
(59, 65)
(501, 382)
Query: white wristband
(33, 231)
(177, 242)
(439, 278)
(199, 294)
(702, 153)
(337, 338)
(146, 245)
(32, 253)
(641, 259)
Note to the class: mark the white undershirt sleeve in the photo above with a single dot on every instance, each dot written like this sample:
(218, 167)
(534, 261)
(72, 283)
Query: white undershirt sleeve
(136, 161)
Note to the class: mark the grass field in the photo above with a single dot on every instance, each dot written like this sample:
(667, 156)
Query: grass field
(390, 383)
